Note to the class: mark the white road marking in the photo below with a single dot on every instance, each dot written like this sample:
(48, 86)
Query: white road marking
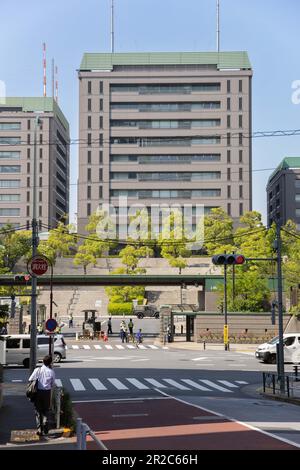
(199, 358)
(86, 346)
(97, 384)
(213, 385)
(241, 382)
(116, 383)
(152, 346)
(108, 346)
(176, 384)
(77, 385)
(155, 383)
(74, 346)
(119, 346)
(194, 384)
(131, 415)
(97, 346)
(130, 346)
(228, 384)
(138, 384)
(141, 346)
(165, 347)
(58, 382)
(17, 380)
(140, 360)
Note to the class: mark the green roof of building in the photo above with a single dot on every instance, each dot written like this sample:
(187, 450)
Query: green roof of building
(222, 60)
(287, 164)
(36, 104)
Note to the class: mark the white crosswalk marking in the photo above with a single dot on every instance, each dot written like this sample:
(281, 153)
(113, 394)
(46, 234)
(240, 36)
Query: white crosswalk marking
(108, 346)
(97, 346)
(194, 384)
(138, 384)
(155, 383)
(77, 385)
(152, 346)
(217, 387)
(74, 346)
(165, 347)
(130, 346)
(97, 384)
(176, 384)
(116, 383)
(228, 384)
(58, 382)
(141, 346)
(119, 346)
(241, 382)
(86, 346)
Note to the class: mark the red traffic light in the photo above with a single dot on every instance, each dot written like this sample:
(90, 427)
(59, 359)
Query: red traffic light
(221, 260)
(240, 259)
(22, 278)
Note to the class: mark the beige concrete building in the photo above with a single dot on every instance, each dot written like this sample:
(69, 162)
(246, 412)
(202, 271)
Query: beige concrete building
(17, 123)
(165, 128)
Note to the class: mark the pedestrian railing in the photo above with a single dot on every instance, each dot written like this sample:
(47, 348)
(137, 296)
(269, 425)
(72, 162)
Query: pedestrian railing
(82, 430)
(271, 384)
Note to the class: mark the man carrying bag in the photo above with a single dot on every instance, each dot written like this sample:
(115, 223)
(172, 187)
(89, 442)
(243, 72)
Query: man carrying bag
(45, 378)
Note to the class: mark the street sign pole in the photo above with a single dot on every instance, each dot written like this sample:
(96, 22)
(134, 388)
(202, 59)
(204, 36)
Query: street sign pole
(280, 355)
(225, 307)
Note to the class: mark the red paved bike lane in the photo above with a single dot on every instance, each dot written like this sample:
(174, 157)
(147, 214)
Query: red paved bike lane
(168, 424)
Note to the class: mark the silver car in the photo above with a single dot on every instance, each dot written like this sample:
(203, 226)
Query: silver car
(59, 346)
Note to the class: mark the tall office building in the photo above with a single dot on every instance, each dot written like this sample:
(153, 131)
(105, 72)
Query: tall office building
(17, 124)
(165, 128)
(283, 192)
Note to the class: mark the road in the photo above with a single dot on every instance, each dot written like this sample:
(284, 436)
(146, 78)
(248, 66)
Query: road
(120, 387)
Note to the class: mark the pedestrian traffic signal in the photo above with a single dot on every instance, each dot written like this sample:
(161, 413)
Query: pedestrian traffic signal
(221, 260)
(22, 278)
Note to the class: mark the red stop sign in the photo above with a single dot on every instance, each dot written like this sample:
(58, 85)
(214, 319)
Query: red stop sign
(38, 265)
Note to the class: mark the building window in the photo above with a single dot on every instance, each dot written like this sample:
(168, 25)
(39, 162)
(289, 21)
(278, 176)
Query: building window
(28, 153)
(89, 174)
(89, 139)
(228, 121)
(241, 192)
(241, 174)
(9, 183)
(41, 153)
(101, 88)
(229, 192)
(40, 225)
(89, 157)
(28, 182)
(89, 87)
(228, 104)
(101, 157)
(89, 123)
(241, 209)
(240, 104)
(40, 211)
(101, 140)
(27, 211)
(89, 104)
(100, 192)
(240, 121)
(89, 191)
(228, 86)
(41, 182)
(241, 156)
(40, 196)
(228, 139)
(240, 139)
(101, 122)
(228, 174)
(100, 174)
(27, 225)
(28, 196)
(41, 168)
(28, 139)
(101, 104)
(229, 209)
(228, 156)
(28, 167)
(240, 86)
(297, 198)
(28, 124)
(88, 211)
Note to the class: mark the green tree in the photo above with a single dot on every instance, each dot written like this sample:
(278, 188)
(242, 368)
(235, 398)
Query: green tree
(61, 240)
(14, 245)
(218, 231)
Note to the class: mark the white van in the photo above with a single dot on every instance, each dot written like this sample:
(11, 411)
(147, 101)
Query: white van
(15, 349)
(291, 342)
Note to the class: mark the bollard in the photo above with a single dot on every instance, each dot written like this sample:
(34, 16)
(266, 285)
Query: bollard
(78, 433)
(204, 345)
(83, 436)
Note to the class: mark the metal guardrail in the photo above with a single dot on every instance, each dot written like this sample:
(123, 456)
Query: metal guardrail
(271, 384)
(82, 430)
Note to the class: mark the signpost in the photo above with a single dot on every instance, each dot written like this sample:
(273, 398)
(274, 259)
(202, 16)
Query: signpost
(51, 324)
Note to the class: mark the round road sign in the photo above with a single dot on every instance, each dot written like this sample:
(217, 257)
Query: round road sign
(38, 265)
(51, 324)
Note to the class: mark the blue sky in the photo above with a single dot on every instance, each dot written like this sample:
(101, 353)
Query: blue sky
(268, 30)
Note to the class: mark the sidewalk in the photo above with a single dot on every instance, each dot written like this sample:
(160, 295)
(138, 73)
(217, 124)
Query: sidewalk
(17, 414)
(193, 346)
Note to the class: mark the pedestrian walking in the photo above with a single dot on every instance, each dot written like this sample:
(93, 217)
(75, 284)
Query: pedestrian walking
(123, 331)
(109, 327)
(46, 381)
(70, 320)
(130, 327)
(138, 338)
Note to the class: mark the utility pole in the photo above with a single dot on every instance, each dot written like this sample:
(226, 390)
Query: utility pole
(35, 242)
(225, 305)
(280, 352)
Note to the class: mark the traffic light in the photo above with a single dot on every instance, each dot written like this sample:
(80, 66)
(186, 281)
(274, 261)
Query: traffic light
(221, 260)
(22, 278)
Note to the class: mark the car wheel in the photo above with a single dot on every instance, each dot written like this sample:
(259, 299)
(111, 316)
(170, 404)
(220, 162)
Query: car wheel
(26, 363)
(56, 357)
(272, 359)
(156, 315)
(140, 315)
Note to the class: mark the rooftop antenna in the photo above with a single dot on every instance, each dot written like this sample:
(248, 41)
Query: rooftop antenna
(56, 84)
(44, 69)
(112, 33)
(218, 25)
(53, 79)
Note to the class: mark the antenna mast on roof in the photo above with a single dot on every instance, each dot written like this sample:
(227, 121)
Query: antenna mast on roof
(56, 84)
(218, 25)
(44, 70)
(53, 79)
(112, 33)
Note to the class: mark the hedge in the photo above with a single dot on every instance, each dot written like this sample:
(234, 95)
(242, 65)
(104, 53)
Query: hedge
(120, 309)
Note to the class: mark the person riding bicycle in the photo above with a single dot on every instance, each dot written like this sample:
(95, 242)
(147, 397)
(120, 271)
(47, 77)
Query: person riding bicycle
(139, 336)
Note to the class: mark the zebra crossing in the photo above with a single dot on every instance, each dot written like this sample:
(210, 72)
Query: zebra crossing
(149, 383)
(114, 346)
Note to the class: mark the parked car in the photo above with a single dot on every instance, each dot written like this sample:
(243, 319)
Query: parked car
(142, 311)
(291, 341)
(59, 346)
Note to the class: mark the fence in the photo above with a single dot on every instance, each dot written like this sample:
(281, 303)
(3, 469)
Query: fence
(82, 430)
(271, 384)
